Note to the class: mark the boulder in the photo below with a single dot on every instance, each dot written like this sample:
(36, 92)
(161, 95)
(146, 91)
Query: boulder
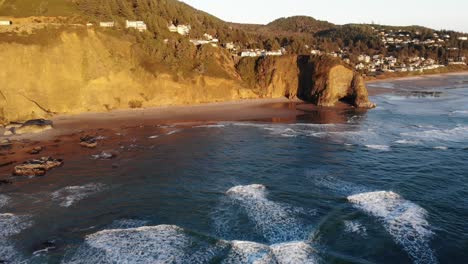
(5, 144)
(34, 126)
(5, 182)
(88, 142)
(36, 150)
(37, 167)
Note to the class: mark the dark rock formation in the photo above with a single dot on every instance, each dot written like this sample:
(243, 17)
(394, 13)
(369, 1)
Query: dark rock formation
(325, 80)
(34, 126)
(88, 142)
(37, 167)
(36, 150)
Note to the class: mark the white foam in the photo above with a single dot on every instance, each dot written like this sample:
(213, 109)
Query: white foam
(4, 200)
(460, 112)
(211, 126)
(379, 147)
(274, 221)
(153, 137)
(441, 148)
(407, 142)
(11, 225)
(355, 227)
(294, 253)
(173, 132)
(72, 194)
(149, 244)
(335, 184)
(404, 220)
(249, 252)
(284, 253)
(458, 133)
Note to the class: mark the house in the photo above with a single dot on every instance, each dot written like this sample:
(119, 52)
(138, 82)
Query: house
(107, 24)
(274, 53)
(230, 46)
(463, 38)
(172, 28)
(248, 54)
(138, 25)
(208, 36)
(6, 23)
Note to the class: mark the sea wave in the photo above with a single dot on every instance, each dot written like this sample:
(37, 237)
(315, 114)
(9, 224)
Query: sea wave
(355, 227)
(274, 221)
(173, 244)
(404, 220)
(11, 225)
(148, 244)
(4, 200)
(459, 133)
(379, 147)
(210, 126)
(72, 194)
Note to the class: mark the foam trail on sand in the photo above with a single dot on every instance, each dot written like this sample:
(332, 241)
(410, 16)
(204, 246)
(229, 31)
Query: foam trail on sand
(149, 244)
(73, 194)
(11, 225)
(404, 220)
(274, 221)
(211, 126)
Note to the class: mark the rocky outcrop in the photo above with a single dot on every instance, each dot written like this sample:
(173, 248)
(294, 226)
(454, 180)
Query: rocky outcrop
(37, 167)
(325, 81)
(104, 72)
(322, 80)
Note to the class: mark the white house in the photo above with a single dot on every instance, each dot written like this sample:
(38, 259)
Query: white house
(274, 53)
(249, 54)
(5, 23)
(138, 25)
(172, 28)
(463, 38)
(184, 29)
(107, 24)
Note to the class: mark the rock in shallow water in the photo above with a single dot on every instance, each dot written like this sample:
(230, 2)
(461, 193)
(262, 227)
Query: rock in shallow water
(88, 142)
(37, 167)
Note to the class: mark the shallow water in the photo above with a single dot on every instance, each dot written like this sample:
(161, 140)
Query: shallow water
(384, 186)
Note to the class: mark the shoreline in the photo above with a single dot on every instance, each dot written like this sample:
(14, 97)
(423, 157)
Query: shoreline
(122, 126)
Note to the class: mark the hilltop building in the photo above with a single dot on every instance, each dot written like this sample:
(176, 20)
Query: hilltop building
(138, 25)
(6, 23)
(181, 29)
(107, 24)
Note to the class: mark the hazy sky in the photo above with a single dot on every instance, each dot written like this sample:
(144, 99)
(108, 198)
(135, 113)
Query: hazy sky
(438, 14)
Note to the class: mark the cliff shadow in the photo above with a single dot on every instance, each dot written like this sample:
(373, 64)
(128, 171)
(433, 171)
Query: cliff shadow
(305, 78)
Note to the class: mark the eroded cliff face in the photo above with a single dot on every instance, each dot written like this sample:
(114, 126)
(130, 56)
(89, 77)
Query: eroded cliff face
(94, 72)
(321, 80)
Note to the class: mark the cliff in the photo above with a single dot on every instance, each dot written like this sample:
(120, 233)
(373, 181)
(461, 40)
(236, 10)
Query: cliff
(76, 70)
(84, 71)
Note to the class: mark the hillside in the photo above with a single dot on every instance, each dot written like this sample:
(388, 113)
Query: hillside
(299, 24)
(58, 64)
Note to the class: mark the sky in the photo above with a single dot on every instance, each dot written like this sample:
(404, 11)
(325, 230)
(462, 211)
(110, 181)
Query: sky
(436, 14)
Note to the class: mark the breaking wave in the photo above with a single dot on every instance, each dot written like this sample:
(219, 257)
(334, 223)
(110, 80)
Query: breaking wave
(4, 200)
(285, 253)
(149, 244)
(11, 225)
(172, 244)
(456, 134)
(210, 126)
(355, 227)
(379, 147)
(273, 221)
(405, 221)
(73, 194)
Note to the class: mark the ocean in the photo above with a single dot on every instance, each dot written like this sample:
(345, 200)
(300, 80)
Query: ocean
(389, 185)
